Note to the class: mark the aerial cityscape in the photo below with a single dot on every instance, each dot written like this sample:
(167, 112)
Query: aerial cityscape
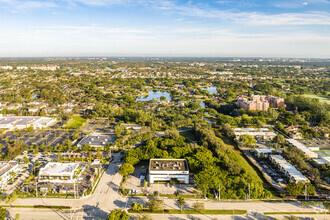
(170, 109)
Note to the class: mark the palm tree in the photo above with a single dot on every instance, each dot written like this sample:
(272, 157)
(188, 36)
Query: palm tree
(181, 202)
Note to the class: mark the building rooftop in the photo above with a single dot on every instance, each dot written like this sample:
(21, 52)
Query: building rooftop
(5, 166)
(12, 121)
(168, 165)
(303, 148)
(291, 170)
(97, 139)
(54, 168)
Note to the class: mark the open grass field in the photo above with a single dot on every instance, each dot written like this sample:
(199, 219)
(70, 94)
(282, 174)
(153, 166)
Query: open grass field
(75, 122)
(322, 98)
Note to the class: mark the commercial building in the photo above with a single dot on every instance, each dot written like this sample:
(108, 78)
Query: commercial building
(308, 152)
(285, 167)
(260, 102)
(21, 122)
(7, 169)
(97, 140)
(262, 133)
(166, 169)
(58, 172)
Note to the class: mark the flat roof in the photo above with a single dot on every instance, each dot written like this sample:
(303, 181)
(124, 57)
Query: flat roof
(265, 150)
(24, 120)
(252, 129)
(54, 168)
(255, 133)
(98, 139)
(5, 166)
(168, 165)
(301, 147)
(293, 172)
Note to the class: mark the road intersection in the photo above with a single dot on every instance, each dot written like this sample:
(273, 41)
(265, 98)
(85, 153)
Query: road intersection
(106, 198)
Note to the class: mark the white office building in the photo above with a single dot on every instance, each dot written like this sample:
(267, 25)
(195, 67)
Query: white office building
(7, 170)
(58, 172)
(163, 170)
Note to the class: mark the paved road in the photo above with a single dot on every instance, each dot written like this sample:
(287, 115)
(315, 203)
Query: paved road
(106, 198)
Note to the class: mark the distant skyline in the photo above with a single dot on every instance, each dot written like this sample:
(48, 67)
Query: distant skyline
(228, 28)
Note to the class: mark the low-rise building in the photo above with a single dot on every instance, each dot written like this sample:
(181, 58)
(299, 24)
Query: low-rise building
(262, 133)
(308, 152)
(7, 170)
(21, 122)
(58, 172)
(97, 140)
(163, 170)
(285, 167)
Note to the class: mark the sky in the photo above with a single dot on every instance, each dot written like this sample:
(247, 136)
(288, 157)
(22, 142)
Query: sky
(201, 28)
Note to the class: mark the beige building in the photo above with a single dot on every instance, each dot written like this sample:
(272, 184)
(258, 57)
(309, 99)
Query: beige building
(259, 102)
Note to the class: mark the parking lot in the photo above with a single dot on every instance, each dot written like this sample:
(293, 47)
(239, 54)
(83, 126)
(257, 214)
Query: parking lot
(323, 144)
(48, 137)
(99, 125)
(135, 183)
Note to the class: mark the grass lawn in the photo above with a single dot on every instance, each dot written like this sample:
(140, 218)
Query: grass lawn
(189, 134)
(75, 122)
(322, 98)
(190, 211)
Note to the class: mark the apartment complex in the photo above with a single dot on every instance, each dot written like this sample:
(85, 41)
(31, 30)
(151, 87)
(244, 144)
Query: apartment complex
(260, 102)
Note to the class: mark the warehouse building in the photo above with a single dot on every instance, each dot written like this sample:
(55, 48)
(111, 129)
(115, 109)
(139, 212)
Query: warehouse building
(21, 122)
(163, 170)
(308, 152)
(285, 167)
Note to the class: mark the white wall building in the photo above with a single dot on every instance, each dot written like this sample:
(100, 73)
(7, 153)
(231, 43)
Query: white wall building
(58, 172)
(166, 169)
(6, 170)
(21, 122)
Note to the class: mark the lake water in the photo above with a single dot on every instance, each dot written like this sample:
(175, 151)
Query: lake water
(154, 95)
(212, 90)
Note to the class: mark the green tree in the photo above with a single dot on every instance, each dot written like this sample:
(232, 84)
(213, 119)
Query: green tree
(181, 202)
(136, 207)
(3, 213)
(155, 204)
(126, 169)
(117, 214)
(198, 206)
(247, 139)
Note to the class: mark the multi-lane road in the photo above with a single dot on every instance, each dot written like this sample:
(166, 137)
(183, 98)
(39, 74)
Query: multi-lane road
(106, 198)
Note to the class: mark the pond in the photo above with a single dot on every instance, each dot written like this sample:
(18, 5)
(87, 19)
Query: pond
(212, 89)
(154, 95)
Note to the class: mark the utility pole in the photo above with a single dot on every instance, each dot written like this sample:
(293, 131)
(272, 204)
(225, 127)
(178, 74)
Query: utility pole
(305, 192)
(219, 192)
(249, 192)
